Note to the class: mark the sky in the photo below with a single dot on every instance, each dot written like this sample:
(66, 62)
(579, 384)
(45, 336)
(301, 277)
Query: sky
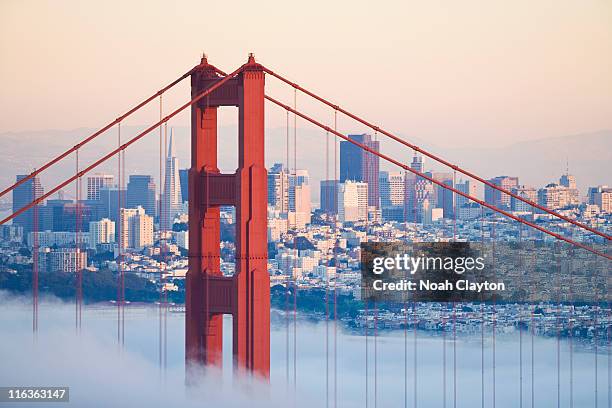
(457, 74)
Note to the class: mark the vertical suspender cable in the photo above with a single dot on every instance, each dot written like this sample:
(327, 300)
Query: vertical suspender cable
(482, 321)
(77, 273)
(295, 249)
(454, 198)
(327, 203)
(121, 191)
(520, 317)
(35, 255)
(336, 264)
(120, 235)
(160, 339)
(287, 277)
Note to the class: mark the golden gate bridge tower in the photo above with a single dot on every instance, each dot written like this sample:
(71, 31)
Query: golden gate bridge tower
(209, 294)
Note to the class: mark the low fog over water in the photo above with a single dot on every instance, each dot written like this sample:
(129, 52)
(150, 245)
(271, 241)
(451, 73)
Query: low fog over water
(100, 374)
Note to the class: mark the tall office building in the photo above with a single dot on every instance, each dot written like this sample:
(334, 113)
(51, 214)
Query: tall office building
(23, 195)
(136, 228)
(468, 187)
(141, 192)
(97, 181)
(184, 179)
(496, 197)
(329, 196)
(391, 184)
(300, 205)
(358, 165)
(101, 232)
(443, 197)
(172, 201)
(353, 201)
(278, 188)
(108, 204)
(419, 192)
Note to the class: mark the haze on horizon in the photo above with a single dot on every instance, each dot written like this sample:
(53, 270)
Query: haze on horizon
(458, 74)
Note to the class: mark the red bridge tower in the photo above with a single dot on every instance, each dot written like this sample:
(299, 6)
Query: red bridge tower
(209, 294)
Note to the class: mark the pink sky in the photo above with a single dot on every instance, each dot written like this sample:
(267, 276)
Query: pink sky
(453, 72)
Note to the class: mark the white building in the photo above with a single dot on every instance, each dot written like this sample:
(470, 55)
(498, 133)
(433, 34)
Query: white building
(136, 228)
(300, 205)
(353, 201)
(392, 186)
(97, 181)
(57, 238)
(101, 232)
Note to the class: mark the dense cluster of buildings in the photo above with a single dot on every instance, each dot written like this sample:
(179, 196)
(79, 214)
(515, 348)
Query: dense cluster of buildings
(312, 245)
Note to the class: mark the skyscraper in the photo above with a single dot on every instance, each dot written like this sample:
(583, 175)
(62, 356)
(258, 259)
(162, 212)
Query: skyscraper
(329, 196)
(468, 187)
(444, 198)
(171, 200)
(23, 195)
(141, 192)
(496, 197)
(392, 194)
(359, 165)
(108, 204)
(278, 188)
(353, 201)
(97, 181)
(419, 191)
(184, 179)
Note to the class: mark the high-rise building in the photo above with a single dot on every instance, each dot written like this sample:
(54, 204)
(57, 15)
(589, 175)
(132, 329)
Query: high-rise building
(136, 228)
(97, 181)
(172, 202)
(23, 195)
(353, 201)
(141, 192)
(329, 196)
(300, 205)
(392, 196)
(417, 191)
(468, 187)
(391, 185)
(554, 196)
(184, 179)
(73, 217)
(278, 188)
(496, 197)
(101, 232)
(359, 165)
(443, 197)
(528, 193)
(108, 204)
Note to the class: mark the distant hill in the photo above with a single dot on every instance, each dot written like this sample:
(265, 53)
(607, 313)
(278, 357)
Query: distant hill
(535, 162)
